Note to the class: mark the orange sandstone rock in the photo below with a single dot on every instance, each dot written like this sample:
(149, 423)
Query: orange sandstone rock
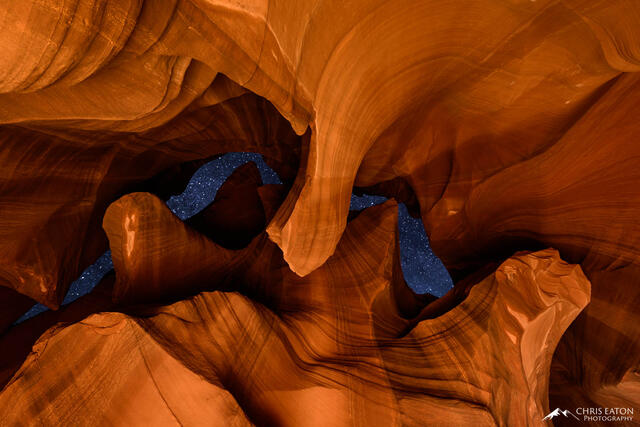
(512, 123)
(334, 348)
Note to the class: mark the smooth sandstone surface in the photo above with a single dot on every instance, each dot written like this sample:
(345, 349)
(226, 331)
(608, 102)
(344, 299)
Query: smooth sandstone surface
(507, 125)
(334, 349)
(504, 80)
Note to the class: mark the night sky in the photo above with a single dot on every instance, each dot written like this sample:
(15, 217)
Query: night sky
(423, 271)
(204, 184)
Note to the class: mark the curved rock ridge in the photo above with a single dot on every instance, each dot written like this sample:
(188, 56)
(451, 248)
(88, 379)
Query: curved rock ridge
(17, 343)
(579, 196)
(507, 125)
(55, 188)
(332, 347)
(157, 256)
(497, 73)
(19, 339)
(152, 247)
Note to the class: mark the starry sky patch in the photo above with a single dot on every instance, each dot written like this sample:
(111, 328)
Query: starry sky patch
(423, 271)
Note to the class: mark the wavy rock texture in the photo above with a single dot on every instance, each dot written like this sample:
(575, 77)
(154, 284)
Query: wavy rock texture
(360, 85)
(150, 245)
(54, 188)
(239, 190)
(17, 343)
(334, 349)
(508, 125)
(581, 197)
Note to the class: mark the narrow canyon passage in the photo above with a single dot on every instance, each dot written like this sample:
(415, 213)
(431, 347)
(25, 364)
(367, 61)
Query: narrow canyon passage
(232, 211)
(423, 271)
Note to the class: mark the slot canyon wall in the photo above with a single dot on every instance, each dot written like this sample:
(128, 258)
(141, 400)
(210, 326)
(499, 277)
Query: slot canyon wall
(511, 127)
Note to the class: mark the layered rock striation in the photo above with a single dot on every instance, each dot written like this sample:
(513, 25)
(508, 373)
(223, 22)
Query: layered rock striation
(507, 126)
(334, 347)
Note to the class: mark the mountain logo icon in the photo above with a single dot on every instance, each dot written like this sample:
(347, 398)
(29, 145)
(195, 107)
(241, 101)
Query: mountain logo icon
(556, 412)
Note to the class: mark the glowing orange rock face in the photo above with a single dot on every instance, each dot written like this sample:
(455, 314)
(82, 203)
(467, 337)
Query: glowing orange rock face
(511, 125)
(332, 347)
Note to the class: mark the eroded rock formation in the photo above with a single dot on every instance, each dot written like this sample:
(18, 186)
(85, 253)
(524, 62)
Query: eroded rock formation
(334, 348)
(507, 126)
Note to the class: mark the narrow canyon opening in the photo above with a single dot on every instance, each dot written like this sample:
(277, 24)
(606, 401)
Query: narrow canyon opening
(423, 271)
